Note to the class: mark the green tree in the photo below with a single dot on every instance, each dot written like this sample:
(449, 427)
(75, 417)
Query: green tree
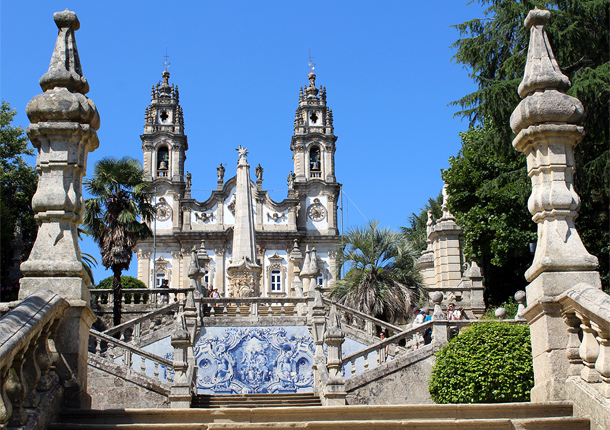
(127, 283)
(487, 180)
(382, 280)
(18, 182)
(116, 216)
(489, 362)
(488, 196)
(416, 232)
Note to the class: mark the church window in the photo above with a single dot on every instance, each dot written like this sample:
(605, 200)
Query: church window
(276, 280)
(162, 161)
(159, 279)
(314, 160)
(313, 118)
(163, 115)
(320, 280)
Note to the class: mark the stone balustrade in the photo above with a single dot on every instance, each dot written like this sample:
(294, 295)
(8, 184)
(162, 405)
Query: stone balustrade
(362, 322)
(253, 306)
(137, 296)
(143, 324)
(586, 309)
(378, 353)
(28, 365)
(134, 358)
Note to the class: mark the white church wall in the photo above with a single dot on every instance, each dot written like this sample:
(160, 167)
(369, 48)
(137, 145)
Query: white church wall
(229, 218)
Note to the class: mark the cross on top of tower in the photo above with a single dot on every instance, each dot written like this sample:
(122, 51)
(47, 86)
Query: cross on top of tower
(312, 65)
(166, 63)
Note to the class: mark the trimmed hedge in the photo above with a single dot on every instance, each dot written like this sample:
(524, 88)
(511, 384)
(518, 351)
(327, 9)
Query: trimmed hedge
(490, 362)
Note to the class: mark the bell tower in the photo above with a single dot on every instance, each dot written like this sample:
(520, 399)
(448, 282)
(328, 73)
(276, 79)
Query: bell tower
(164, 143)
(313, 155)
(313, 143)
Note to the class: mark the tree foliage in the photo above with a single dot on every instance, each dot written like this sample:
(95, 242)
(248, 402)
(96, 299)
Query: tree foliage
(127, 283)
(18, 182)
(489, 362)
(487, 180)
(117, 214)
(416, 232)
(382, 279)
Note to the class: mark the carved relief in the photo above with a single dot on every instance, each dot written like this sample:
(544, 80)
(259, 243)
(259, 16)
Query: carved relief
(203, 217)
(276, 217)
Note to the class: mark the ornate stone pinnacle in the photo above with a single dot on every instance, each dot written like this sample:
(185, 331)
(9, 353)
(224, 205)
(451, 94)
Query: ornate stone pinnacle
(64, 123)
(545, 124)
(65, 69)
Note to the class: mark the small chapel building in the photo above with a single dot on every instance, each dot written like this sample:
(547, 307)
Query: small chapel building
(247, 244)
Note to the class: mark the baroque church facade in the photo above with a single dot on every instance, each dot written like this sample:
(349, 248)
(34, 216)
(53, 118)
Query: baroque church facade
(246, 243)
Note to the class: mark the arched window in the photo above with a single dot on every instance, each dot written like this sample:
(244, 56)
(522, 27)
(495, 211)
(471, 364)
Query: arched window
(162, 161)
(315, 166)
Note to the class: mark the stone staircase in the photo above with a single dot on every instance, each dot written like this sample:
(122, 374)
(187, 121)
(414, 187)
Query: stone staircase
(255, 400)
(502, 416)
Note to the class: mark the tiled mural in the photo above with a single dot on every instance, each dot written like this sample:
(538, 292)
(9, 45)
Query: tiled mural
(234, 360)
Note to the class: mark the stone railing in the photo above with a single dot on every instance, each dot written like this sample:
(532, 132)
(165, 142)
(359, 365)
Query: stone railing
(137, 296)
(28, 381)
(362, 322)
(136, 359)
(587, 309)
(143, 324)
(253, 306)
(380, 352)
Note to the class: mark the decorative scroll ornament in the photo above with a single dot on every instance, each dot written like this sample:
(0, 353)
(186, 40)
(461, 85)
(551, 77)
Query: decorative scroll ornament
(316, 211)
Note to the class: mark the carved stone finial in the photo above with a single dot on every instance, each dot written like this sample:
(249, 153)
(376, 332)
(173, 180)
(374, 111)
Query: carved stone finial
(63, 84)
(65, 70)
(312, 91)
(545, 124)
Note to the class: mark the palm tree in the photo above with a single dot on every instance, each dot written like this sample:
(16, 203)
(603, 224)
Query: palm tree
(382, 280)
(120, 197)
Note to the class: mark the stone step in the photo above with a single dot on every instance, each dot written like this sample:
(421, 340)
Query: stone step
(255, 400)
(559, 423)
(531, 416)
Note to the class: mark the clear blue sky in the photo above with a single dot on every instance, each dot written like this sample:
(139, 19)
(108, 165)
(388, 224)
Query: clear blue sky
(239, 65)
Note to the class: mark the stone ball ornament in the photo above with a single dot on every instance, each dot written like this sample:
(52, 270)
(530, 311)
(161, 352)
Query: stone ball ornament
(436, 297)
(500, 313)
(520, 296)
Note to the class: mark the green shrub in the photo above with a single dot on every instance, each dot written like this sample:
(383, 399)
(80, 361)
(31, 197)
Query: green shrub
(127, 282)
(490, 362)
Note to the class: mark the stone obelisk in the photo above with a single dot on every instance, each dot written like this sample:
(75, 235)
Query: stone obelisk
(243, 270)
